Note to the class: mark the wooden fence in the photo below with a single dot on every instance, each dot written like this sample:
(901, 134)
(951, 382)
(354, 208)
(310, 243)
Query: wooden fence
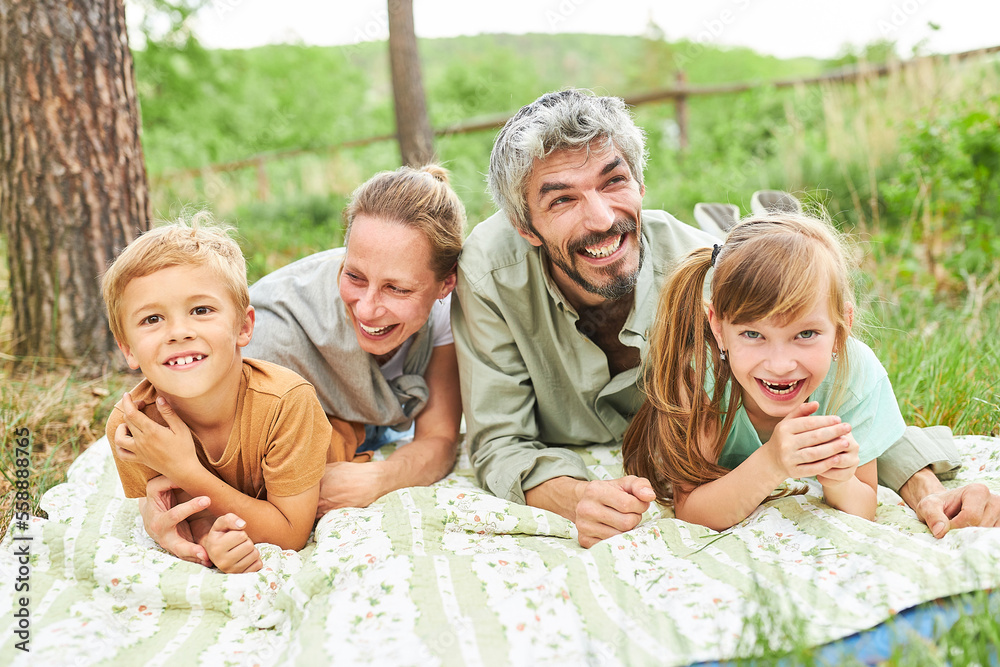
(678, 94)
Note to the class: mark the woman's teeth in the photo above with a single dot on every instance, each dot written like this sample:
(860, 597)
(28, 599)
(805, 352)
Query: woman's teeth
(598, 252)
(183, 361)
(780, 387)
(375, 331)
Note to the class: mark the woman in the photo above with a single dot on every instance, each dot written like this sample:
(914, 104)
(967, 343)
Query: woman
(368, 325)
(378, 348)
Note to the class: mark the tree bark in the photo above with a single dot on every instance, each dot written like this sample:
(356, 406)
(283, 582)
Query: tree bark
(416, 141)
(73, 189)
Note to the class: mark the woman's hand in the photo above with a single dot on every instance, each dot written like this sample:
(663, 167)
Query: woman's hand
(347, 484)
(167, 522)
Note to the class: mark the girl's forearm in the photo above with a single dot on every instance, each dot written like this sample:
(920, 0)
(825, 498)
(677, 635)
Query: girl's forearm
(854, 497)
(723, 503)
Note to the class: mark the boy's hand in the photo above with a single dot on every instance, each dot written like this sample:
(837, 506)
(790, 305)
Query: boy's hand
(167, 522)
(230, 548)
(803, 445)
(142, 440)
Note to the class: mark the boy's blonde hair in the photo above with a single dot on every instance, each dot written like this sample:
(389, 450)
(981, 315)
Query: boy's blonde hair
(200, 242)
(771, 266)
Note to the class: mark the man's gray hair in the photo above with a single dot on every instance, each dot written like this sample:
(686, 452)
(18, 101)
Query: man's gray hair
(568, 119)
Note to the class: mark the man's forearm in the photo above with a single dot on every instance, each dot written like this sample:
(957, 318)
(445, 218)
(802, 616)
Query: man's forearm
(560, 495)
(923, 483)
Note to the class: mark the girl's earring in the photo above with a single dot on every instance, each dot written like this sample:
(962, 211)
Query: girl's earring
(722, 355)
(834, 355)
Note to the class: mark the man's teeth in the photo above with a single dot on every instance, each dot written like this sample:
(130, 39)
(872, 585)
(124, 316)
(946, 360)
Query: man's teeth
(183, 361)
(780, 387)
(603, 251)
(375, 331)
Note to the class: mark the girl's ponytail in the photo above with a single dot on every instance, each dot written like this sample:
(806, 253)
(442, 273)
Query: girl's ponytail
(662, 442)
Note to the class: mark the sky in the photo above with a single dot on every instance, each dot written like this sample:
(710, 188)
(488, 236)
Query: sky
(785, 28)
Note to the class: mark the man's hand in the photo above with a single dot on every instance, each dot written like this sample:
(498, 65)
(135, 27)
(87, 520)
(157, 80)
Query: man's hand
(142, 440)
(230, 548)
(347, 484)
(970, 505)
(600, 509)
(167, 523)
(611, 507)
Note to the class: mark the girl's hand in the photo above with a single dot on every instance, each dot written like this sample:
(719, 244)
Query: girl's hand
(845, 467)
(803, 445)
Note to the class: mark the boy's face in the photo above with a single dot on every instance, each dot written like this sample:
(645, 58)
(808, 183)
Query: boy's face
(182, 329)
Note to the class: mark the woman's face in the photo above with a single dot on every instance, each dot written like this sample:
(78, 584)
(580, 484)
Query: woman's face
(387, 283)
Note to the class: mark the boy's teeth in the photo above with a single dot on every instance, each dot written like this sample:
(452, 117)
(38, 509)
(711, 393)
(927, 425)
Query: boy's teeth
(788, 387)
(604, 251)
(183, 361)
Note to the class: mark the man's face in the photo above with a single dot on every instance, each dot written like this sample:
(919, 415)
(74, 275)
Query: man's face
(584, 212)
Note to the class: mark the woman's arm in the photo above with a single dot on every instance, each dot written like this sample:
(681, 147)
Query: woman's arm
(424, 461)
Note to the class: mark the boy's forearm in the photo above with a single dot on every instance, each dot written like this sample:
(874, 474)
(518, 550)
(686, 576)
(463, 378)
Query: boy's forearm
(265, 522)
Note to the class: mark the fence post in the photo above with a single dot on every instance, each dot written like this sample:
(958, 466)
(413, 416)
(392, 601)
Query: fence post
(680, 110)
(263, 187)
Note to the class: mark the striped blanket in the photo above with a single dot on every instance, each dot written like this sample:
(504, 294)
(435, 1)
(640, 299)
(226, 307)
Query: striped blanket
(451, 575)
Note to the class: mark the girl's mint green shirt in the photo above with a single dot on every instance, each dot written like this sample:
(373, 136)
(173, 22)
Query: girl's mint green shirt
(867, 404)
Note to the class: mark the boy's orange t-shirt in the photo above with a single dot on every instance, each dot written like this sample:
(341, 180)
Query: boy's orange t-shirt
(280, 442)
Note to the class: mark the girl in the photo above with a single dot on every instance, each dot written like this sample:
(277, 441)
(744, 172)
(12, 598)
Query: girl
(769, 361)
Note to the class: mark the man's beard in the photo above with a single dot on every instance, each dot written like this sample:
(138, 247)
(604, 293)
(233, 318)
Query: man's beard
(620, 285)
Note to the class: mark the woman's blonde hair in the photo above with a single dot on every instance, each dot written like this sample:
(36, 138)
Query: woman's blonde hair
(770, 266)
(195, 242)
(419, 198)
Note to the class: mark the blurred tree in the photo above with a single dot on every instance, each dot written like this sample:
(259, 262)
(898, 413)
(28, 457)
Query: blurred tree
(416, 141)
(73, 188)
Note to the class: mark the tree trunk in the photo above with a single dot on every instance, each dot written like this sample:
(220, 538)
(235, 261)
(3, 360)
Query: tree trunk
(416, 141)
(73, 188)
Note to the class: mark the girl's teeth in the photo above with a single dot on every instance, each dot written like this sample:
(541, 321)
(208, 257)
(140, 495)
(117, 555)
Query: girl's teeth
(789, 387)
(605, 250)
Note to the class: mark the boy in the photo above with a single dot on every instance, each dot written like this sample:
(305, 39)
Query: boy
(247, 436)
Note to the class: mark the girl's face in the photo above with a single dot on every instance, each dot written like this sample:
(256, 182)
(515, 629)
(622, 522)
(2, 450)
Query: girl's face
(778, 366)
(387, 283)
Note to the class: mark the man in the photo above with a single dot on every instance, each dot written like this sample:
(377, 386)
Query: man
(556, 294)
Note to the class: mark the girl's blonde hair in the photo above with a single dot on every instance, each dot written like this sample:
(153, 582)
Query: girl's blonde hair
(196, 242)
(770, 266)
(419, 198)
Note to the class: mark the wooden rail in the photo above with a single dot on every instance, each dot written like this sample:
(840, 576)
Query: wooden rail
(679, 94)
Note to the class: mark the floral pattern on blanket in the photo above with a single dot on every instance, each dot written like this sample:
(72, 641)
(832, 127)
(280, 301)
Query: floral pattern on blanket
(449, 574)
